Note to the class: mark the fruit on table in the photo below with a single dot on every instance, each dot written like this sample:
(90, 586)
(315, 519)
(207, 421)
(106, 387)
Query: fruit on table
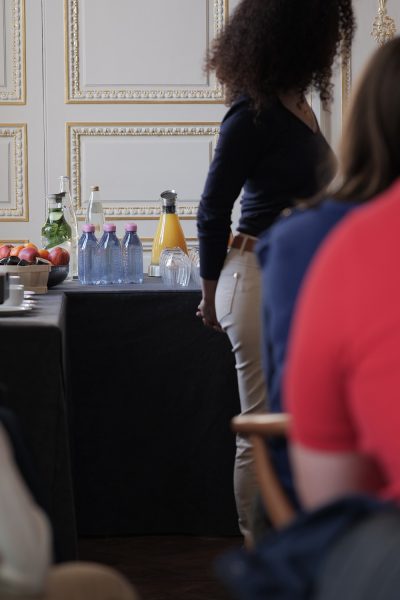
(59, 256)
(5, 250)
(15, 250)
(29, 254)
(43, 253)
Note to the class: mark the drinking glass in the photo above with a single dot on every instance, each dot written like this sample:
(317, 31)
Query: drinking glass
(175, 268)
(194, 257)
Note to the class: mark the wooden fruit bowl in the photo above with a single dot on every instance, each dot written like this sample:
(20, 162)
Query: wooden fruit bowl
(33, 277)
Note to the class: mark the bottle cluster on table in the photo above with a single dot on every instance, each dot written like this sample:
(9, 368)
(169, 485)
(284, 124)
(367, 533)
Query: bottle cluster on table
(107, 261)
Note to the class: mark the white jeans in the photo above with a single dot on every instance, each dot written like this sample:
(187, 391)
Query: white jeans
(238, 307)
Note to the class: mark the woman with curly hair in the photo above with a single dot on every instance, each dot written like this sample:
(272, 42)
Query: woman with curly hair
(271, 53)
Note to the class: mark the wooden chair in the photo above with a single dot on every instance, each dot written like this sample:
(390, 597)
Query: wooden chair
(258, 428)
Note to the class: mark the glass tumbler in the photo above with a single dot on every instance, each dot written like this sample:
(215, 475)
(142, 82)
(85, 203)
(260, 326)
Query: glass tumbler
(175, 268)
(194, 257)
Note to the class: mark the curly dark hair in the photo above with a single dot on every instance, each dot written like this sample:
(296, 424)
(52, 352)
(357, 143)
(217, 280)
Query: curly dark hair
(275, 46)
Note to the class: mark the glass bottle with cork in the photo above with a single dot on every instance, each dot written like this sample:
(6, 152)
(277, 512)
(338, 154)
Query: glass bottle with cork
(94, 212)
(169, 232)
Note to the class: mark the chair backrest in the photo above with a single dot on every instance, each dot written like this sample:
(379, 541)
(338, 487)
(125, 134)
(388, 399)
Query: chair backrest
(258, 428)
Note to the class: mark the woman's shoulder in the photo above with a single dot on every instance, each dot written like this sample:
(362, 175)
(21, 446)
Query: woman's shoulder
(301, 218)
(300, 223)
(242, 110)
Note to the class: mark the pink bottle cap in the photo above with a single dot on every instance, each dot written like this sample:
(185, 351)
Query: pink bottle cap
(88, 228)
(130, 227)
(108, 227)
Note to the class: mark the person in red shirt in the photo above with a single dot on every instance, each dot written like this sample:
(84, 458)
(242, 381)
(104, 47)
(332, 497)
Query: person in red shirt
(342, 381)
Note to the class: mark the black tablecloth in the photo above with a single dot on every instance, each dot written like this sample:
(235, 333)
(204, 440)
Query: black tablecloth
(151, 395)
(32, 371)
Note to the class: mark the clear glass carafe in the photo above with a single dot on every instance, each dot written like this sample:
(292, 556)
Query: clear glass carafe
(56, 231)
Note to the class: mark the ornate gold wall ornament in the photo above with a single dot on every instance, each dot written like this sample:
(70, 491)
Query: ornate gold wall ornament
(138, 209)
(78, 93)
(16, 209)
(384, 27)
(14, 53)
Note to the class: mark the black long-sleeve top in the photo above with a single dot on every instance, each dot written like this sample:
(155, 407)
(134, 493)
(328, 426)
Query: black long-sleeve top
(277, 160)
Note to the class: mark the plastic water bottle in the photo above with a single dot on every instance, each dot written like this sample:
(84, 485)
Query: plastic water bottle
(132, 255)
(109, 257)
(87, 256)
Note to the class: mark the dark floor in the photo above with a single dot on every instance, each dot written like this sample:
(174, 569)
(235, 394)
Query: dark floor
(164, 567)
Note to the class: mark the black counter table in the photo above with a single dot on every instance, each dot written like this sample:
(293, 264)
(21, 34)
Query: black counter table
(32, 371)
(151, 392)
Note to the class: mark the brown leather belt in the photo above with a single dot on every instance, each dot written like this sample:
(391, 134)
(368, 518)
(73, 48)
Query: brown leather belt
(243, 242)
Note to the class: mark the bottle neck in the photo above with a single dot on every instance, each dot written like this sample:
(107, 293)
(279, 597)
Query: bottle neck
(64, 185)
(94, 197)
(56, 207)
(169, 210)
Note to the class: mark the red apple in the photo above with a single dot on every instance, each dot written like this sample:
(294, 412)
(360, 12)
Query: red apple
(29, 254)
(5, 250)
(59, 256)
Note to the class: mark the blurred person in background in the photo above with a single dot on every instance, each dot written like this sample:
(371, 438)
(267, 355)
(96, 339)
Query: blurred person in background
(268, 57)
(342, 381)
(26, 553)
(369, 163)
(343, 377)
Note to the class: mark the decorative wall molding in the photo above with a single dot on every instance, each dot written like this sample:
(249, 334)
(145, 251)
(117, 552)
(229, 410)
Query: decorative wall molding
(15, 207)
(137, 208)
(14, 32)
(79, 92)
(384, 27)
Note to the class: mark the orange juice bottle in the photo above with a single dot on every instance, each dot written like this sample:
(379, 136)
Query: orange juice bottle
(169, 232)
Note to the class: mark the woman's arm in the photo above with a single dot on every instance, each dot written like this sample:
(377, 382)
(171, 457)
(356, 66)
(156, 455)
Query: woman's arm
(25, 536)
(238, 147)
(321, 477)
(206, 308)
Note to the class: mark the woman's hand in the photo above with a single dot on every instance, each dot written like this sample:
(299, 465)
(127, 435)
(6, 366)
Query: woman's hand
(206, 308)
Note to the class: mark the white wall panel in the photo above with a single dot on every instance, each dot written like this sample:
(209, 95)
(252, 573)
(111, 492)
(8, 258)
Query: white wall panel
(150, 45)
(134, 163)
(12, 52)
(13, 173)
(141, 50)
(6, 172)
(3, 46)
